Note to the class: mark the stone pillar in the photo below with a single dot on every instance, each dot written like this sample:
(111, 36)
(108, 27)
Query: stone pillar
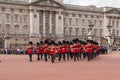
(59, 25)
(43, 22)
(31, 22)
(50, 22)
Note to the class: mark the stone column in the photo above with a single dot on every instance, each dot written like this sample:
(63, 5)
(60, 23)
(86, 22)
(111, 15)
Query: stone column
(43, 22)
(59, 25)
(50, 22)
(31, 22)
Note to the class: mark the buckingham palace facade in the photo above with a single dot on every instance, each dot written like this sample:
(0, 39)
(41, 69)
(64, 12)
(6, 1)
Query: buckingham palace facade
(34, 20)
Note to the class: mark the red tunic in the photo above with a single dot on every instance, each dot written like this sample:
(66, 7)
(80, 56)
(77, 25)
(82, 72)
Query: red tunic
(67, 50)
(59, 50)
(74, 49)
(88, 49)
(38, 50)
(46, 50)
(30, 50)
(64, 49)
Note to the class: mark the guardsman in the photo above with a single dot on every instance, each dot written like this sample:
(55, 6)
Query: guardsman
(30, 50)
(64, 49)
(67, 50)
(83, 43)
(38, 51)
(74, 50)
(45, 50)
(89, 50)
(52, 51)
(41, 49)
(59, 50)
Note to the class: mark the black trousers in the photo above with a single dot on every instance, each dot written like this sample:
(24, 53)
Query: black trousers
(76, 56)
(30, 57)
(90, 56)
(84, 55)
(41, 56)
(68, 55)
(45, 56)
(59, 56)
(63, 55)
(38, 57)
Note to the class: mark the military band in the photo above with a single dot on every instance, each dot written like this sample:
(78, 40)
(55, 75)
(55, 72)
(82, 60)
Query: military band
(64, 50)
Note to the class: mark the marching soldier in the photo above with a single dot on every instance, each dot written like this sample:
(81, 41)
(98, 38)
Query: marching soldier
(67, 49)
(59, 51)
(74, 50)
(41, 50)
(45, 50)
(52, 51)
(38, 51)
(64, 50)
(89, 50)
(30, 50)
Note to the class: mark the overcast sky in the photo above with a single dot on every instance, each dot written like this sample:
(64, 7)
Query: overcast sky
(100, 3)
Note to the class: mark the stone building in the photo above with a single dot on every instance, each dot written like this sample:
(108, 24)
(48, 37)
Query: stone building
(34, 20)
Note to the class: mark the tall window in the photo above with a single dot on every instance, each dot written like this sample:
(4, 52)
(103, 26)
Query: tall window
(16, 29)
(100, 23)
(117, 24)
(101, 31)
(64, 31)
(83, 32)
(117, 32)
(24, 29)
(83, 21)
(95, 22)
(24, 18)
(64, 21)
(7, 17)
(76, 22)
(70, 21)
(7, 29)
(70, 31)
(16, 18)
(113, 23)
(77, 29)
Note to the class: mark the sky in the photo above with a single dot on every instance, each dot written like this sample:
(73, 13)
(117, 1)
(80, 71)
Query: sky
(99, 3)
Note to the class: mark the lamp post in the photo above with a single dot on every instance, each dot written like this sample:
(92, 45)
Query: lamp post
(109, 35)
(6, 38)
(90, 35)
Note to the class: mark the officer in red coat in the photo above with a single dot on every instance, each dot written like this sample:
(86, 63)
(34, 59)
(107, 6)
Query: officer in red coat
(30, 50)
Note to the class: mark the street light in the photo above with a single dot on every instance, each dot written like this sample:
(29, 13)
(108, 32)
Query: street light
(90, 30)
(109, 35)
(6, 37)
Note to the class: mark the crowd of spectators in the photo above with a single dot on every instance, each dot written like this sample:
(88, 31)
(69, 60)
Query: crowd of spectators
(16, 51)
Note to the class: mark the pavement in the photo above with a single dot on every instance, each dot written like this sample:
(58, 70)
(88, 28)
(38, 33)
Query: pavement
(18, 67)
